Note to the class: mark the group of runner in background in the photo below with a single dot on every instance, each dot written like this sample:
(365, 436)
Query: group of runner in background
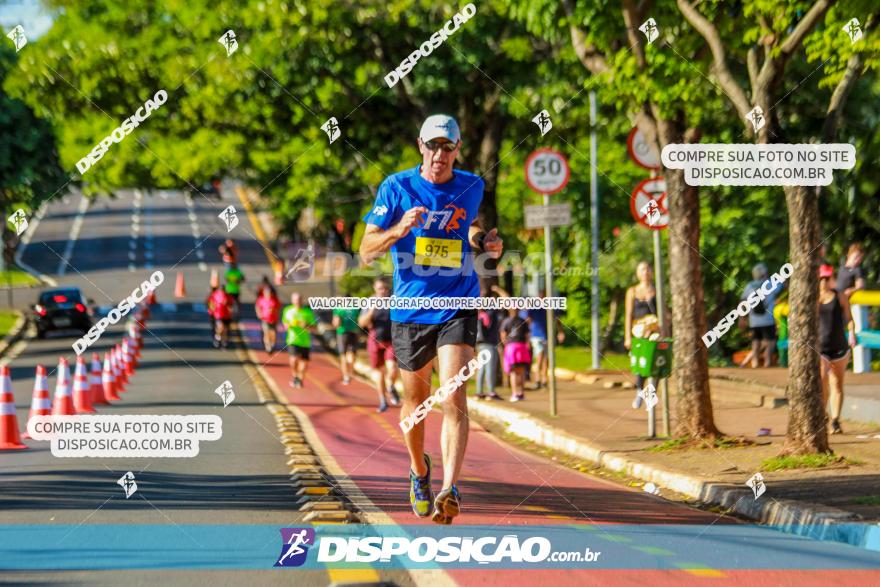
(517, 340)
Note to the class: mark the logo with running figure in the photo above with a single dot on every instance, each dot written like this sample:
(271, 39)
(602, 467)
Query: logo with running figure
(447, 219)
(295, 546)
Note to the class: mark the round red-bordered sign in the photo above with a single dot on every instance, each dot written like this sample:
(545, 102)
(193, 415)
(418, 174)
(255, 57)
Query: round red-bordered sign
(639, 150)
(542, 175)
(650, 190)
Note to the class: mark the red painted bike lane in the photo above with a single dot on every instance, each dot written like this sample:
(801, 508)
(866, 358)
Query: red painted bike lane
(500, 485)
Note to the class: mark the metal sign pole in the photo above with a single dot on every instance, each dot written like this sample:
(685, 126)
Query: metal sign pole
(551, 316)
(663, 384)
(594, 237)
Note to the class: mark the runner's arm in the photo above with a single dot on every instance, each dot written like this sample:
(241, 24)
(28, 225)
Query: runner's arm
(376, 241)
(485, 242)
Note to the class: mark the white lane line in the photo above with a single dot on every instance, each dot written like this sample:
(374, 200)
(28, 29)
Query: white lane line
(74, 234)
(25, 241)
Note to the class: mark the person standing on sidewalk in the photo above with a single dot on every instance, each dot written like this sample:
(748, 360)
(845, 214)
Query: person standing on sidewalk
(377, 323)
(761, 322)
(834, 343)
(300, 322)
(851, 277)
(641, 302)
(268, 308)
(345, 320)
(537, 320)
(488, 339)
(517, 357)
(427, 217)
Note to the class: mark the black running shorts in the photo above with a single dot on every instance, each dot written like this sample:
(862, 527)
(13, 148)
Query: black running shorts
(415, 345)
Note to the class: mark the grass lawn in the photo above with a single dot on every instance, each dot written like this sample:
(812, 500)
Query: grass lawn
(7, 321)
(579, 358)
(17, 278)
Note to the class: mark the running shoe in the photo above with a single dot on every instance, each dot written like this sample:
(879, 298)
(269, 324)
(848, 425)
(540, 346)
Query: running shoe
(297, 382)
(420, 495)
(346, 380)
(517, 398)
(480, 396)
(492, 396)
(216, 343)
(382, 407)
(835, 427)
(269, 348)
(395, 397)
(446, 506)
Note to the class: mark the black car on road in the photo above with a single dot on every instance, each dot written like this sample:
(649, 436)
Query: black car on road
(61, 309)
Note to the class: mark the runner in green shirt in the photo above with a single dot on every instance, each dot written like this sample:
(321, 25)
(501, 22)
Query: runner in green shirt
(234, 279)
(347, 329)
(300, 323)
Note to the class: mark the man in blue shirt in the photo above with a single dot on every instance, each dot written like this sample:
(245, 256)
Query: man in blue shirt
(426, 216)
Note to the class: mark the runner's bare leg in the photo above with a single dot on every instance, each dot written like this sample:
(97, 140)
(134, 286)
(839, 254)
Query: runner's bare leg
(417, 387)
(454, 435)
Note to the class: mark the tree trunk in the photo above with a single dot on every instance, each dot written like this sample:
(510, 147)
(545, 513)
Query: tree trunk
(807, 432)
(612, 320)
(690, 357)
(694, 416)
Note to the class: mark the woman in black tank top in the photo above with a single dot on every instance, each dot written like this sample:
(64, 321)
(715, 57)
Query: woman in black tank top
(641, 301)
(834, 343)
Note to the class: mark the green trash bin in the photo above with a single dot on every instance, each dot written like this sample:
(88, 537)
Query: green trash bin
(651, 358)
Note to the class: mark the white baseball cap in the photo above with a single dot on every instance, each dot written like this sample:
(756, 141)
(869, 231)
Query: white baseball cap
(440, 126)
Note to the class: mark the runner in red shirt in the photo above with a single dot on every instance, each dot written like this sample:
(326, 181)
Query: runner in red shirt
(220, 309)
(268, 308)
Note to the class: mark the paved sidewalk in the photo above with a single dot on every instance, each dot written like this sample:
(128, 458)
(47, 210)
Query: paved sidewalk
(599, 424)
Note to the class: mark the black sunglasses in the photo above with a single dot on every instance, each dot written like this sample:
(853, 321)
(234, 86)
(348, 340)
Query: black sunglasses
(434, 145)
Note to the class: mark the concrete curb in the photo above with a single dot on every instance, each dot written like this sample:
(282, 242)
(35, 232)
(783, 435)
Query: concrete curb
(787, 515)
(796, 517)
(15, 334)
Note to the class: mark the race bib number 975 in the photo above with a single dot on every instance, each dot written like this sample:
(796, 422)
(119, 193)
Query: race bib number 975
(440, 252)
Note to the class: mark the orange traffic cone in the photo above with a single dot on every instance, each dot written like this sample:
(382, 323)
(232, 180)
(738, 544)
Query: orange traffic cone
(108, 380)
(118, 372)
(82, 394)
(127, 363)
(95, 387)
(180, 286)
(10, 439)
(63, 404)
(41, 405)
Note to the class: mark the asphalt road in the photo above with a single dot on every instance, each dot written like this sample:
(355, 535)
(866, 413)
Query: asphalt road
(242, 479)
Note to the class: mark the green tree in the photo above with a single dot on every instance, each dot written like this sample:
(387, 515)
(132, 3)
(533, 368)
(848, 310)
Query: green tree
(774, 34)
(30, 172)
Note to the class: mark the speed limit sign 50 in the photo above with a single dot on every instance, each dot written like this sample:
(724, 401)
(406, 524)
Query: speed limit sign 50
(547, 171)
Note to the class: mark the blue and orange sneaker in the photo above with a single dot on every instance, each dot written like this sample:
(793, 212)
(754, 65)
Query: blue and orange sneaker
(421, 498)
(446, 506)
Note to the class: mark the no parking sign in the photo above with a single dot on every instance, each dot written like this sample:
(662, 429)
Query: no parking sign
(648, 204)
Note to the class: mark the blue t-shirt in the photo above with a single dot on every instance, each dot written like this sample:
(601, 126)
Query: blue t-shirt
(538, 322)
(452, 207)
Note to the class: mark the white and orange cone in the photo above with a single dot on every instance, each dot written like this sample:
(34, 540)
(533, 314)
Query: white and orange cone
(126, 359)
(82, 393)
(121, 379)
(41, 405)
(108, 379)
(63, 402)
(10, 439)
(95, 382)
